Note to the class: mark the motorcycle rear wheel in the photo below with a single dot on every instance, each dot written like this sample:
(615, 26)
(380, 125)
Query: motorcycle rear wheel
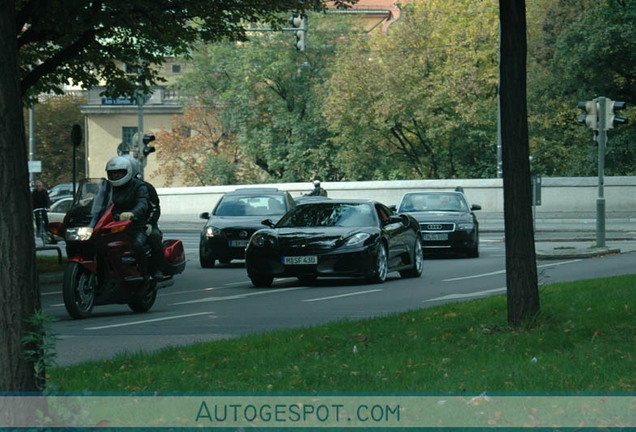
(78, 290)
(143, 301)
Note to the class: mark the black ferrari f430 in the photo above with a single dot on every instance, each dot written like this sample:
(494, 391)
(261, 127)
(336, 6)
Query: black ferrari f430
(335, 238)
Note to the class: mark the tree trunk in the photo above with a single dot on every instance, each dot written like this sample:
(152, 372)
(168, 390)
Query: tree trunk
(19, 288)
(521, 267)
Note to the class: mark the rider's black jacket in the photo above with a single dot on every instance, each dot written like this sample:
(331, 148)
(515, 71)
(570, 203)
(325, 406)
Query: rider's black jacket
(154, 210)
(132, 197)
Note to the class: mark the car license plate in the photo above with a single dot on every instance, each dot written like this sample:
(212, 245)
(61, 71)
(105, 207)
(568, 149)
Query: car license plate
(300, 260)
(435, 237)
(238, 243)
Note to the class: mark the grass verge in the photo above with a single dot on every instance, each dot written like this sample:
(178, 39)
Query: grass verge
(49, 264)
(583, 341)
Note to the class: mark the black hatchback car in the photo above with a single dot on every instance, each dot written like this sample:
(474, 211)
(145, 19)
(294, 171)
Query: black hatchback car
(236, 216)
(448, 223)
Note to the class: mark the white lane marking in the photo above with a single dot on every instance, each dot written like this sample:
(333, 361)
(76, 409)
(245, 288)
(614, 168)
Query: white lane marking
(342, 295)
(474, 294)
(148, 321)
(236, 297)
(504, 271)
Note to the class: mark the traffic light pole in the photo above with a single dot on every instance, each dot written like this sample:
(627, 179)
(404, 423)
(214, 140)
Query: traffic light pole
(600, 201)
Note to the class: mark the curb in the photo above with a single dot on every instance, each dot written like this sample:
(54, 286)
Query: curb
(576, 253)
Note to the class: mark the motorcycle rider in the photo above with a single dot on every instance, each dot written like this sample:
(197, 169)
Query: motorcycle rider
(131, 202)
(154, 234)
(318, 190)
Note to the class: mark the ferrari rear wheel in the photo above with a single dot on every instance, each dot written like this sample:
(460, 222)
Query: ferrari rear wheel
(381, 265)
(418, 262)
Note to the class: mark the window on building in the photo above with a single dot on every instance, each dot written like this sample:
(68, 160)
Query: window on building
(176, 68)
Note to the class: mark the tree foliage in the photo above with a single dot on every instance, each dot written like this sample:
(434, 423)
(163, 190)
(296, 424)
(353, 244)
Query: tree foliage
(84, 42)
(268, 97)
(581, 49)
(54, 118)
(420, 102)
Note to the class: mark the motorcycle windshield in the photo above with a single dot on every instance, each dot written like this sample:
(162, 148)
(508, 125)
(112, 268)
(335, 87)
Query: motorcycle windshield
(90, 202)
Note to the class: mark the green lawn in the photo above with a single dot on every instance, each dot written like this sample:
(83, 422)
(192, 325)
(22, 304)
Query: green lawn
(584, 340)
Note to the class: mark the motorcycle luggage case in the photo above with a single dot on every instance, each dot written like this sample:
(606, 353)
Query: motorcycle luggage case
(175, 256)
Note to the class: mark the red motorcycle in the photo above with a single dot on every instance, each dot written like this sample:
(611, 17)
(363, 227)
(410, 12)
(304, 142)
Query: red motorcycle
(102, 267)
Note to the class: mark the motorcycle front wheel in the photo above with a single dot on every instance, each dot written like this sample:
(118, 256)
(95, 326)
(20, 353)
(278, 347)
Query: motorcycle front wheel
(78, 290)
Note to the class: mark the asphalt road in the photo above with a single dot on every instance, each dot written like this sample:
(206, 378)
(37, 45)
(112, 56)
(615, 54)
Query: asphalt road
(210, 304)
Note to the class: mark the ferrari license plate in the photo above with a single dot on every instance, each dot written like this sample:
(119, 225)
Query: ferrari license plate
(435, 236)
(238, 243)
(300, 260)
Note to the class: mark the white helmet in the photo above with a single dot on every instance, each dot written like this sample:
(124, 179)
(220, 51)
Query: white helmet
(134, 163)
(119, 171)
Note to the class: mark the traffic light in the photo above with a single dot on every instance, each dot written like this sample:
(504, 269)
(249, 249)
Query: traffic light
(611, 119)
(299, 23)
(147, 138)
(590, 118)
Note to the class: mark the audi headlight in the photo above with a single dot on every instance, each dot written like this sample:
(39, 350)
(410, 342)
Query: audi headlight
(79, 234)
(465, 226)
(212, 231)
(357, 239)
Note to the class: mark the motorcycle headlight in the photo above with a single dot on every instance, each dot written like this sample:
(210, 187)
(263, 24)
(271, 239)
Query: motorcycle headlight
(212, 231)
(465, 226)
(357, 239)
(79, 234)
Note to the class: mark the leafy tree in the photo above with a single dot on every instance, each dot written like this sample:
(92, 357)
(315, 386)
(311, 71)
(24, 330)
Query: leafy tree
(268, 97)
(429, 104)
(581, 49)
(190, 150)
(54, 118)
(45, 45)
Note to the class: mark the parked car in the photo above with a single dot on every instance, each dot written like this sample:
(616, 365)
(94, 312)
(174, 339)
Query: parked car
(61, 191)
(335, 238)
(448, 223)
(236, 216)
(59, 209)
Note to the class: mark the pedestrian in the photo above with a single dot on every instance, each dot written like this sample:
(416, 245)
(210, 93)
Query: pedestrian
(41, 204)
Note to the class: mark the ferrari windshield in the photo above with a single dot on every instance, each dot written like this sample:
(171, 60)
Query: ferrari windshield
(326, 214)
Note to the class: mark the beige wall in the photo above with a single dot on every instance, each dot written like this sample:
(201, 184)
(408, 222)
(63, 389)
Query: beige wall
(105, 134)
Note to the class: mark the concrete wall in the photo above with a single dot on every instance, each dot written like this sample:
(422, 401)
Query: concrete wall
(560, 197)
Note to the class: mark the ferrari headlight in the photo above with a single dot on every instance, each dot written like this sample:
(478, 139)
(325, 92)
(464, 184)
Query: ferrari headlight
(261, 239)
(357, 239)
(79, 234)
(212, 231)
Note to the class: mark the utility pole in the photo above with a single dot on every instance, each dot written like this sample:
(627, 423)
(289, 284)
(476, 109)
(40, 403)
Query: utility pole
(32, 141)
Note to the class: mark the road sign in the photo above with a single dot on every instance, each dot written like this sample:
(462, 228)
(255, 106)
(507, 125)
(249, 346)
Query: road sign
(35, 166)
